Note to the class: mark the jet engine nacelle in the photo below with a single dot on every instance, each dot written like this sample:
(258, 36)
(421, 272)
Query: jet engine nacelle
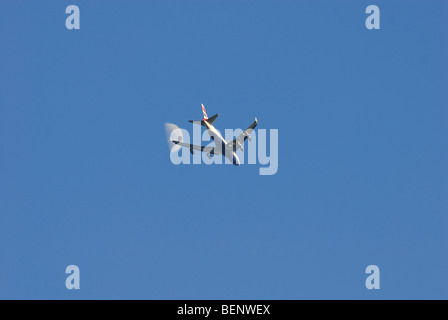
(191, 151)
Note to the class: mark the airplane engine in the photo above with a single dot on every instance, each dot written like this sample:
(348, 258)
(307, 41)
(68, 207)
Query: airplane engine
(209, 155)
(191, 151)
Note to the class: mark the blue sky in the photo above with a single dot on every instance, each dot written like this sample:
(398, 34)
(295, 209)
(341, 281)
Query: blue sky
(86, 178)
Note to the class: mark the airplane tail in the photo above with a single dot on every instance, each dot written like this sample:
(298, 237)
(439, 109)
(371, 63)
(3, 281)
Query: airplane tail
(206, 118)
(204, 112)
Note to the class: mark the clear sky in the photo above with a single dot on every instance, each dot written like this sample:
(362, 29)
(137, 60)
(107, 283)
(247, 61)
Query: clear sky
(86, 177)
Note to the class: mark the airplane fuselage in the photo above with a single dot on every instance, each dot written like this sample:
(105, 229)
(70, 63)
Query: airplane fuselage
(221, 144)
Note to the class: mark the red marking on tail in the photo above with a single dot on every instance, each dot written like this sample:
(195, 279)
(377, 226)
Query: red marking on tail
(204, 112)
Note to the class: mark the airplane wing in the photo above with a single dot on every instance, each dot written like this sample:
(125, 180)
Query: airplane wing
(238, 142)
(192, 147)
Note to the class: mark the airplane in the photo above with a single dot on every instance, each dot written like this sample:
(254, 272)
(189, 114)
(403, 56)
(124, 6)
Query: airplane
(222, 147)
